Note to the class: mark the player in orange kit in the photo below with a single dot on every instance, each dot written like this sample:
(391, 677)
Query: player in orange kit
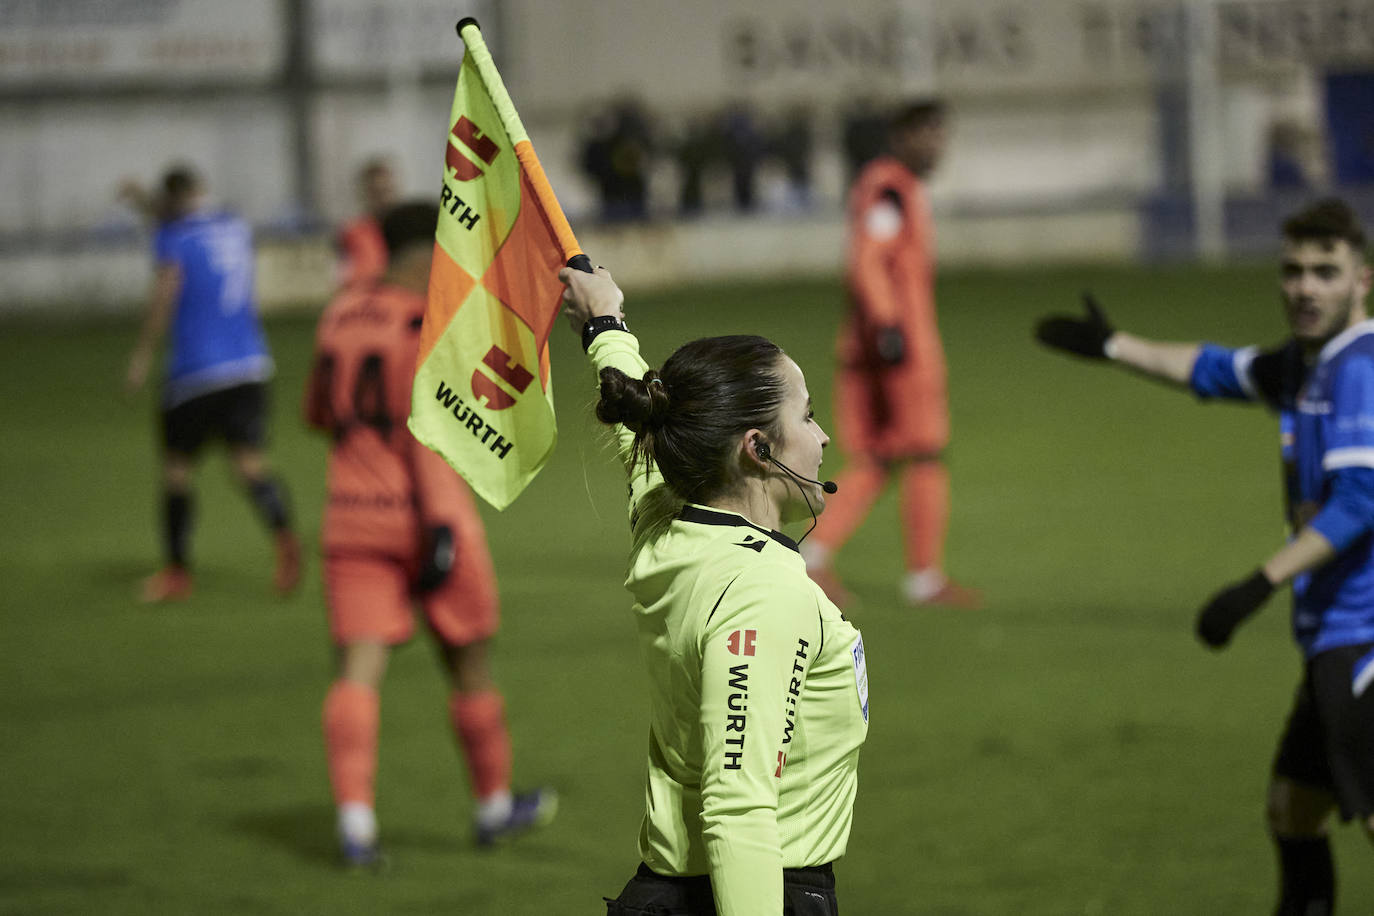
(892, 412)
(400, 528)
(361, 248)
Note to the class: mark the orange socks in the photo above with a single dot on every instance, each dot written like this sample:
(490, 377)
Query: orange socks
(479, 721)
(925, 513)
(351, 717)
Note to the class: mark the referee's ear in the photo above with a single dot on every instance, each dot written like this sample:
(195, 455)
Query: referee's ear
(755, 450)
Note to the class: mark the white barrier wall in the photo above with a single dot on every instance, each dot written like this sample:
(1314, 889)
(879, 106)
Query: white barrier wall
(1058, 105)
(300, 273)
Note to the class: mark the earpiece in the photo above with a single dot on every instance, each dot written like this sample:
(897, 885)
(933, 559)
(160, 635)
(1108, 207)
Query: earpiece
(764, 453)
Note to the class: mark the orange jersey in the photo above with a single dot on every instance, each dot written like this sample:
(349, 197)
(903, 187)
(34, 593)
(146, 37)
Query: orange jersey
(384, 487)
(362, 250)
(891, 411)
(891, 272)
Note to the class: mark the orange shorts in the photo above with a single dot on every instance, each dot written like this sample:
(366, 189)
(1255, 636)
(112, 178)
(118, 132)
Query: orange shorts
(370, 598)
(887, 418)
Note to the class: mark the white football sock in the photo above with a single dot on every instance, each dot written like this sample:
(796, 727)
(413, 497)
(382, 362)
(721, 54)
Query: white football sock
(922, 584)
(494, 810)
(357, 823)
(817, 556)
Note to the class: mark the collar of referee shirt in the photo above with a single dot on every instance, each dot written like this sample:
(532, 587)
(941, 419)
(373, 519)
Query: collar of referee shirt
(704, 516)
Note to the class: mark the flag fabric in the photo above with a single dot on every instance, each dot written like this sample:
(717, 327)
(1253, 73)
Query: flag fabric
(483, 393)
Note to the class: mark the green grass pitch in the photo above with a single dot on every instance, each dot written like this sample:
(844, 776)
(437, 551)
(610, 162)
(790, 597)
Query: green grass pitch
(1070, 749)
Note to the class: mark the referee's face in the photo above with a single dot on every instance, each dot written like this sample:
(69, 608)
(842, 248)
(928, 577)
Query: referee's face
(1324, 284)
(800, 446)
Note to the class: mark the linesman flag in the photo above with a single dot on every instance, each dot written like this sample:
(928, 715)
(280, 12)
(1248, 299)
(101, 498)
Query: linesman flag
(483, 395)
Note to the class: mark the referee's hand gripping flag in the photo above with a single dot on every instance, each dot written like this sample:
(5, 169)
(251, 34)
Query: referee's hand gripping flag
(1084, 335)
(483, 394)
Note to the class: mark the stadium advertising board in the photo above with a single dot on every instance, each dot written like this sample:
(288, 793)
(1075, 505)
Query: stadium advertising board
(780, 50)
(360, 38)
(81, 44)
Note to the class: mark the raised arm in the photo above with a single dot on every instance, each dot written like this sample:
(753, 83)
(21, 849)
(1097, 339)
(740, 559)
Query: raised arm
(593, 305)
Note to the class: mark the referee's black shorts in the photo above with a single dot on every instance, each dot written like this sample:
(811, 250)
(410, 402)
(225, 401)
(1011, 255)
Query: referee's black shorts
(237, 415)
(1329, 740)
(805, 892)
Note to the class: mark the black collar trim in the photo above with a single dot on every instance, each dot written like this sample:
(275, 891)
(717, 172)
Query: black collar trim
(703, 516)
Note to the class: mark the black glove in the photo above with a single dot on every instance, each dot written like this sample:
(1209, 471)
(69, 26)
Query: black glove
(1230, 606)
(890, 344)
(439, 551)
(1086, 336)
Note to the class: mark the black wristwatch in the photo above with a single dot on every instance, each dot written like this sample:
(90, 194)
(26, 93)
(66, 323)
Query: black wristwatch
(598, 323)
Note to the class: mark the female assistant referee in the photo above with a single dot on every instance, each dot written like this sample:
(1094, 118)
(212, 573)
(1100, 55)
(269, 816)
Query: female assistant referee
(759, 693)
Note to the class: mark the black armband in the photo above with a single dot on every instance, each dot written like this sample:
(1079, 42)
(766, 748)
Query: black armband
(598, 323)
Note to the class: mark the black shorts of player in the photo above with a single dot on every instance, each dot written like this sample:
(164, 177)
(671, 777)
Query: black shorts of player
(237, 415)
(805, 892)
(1329, 740)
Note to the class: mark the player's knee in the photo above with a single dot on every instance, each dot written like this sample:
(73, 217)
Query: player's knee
(468, 667)
(176, 473)
(1294, 811)
(363, 662)
(250, 465)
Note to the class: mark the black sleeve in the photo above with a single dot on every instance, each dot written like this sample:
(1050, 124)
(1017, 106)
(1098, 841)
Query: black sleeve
(1278, 374)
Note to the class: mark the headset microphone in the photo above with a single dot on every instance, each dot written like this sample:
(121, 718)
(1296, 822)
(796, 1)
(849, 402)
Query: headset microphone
(765, 453)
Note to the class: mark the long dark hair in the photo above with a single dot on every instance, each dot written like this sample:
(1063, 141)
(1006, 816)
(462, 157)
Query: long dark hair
(688, 416)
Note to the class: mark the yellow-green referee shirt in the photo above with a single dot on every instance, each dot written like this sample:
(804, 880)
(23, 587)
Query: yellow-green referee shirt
(758, 691)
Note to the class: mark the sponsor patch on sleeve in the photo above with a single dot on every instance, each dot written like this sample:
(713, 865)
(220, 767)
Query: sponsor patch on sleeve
(860, 674)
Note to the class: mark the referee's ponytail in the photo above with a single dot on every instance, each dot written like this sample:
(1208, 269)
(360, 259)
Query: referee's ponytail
(688, 416)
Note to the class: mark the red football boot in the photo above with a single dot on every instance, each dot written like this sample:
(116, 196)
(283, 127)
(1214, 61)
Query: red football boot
(173, 583)
(288, 572)
(950, 594)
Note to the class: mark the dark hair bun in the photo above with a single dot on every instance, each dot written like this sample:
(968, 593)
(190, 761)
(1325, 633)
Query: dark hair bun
(640, 404)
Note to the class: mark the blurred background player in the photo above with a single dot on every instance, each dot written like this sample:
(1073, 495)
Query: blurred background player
(400, 527)
(1321, 381)
(360, 246)
(217, 369)
(891, 409)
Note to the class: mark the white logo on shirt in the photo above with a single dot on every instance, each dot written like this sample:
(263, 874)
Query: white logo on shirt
(883, 221)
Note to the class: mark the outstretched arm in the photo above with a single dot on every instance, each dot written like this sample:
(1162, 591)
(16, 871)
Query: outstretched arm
(1092, 336)
(1168, 362)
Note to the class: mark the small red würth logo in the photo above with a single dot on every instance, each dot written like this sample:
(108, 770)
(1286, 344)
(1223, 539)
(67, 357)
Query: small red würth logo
(471, 136)
(505, 367)
(782, 760)
(741, 642)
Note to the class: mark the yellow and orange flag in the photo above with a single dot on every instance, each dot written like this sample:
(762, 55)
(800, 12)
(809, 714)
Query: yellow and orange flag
(483, 395)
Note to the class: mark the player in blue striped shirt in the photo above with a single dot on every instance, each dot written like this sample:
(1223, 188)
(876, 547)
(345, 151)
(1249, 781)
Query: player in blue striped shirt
(215, 384)
(1321, 383)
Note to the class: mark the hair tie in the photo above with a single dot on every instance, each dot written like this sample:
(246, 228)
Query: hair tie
(655, 381)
